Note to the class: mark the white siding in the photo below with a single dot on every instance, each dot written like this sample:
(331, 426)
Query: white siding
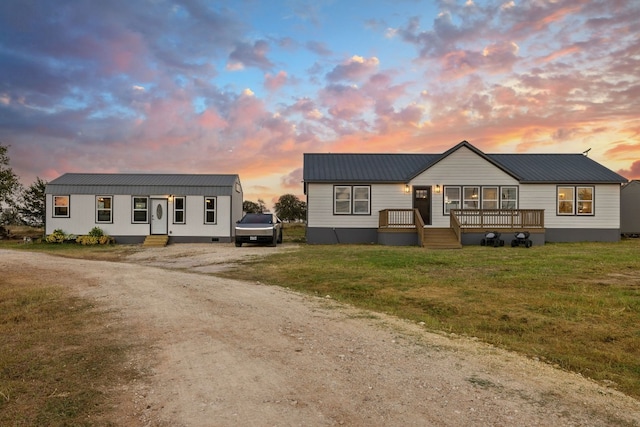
(606, 206)
(383, 196)
(460, 168)
(194, 216)
(82, 217)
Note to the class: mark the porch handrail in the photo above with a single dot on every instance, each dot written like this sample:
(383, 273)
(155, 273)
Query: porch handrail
(498, 218)
(396, 218)
(454, 223)
(419, 226)
(402, 218)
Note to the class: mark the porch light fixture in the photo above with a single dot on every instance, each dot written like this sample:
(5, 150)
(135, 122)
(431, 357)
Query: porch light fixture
(407, 189)
(437, 188)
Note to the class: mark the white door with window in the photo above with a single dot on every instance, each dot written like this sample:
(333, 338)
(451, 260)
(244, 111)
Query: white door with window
(159, 216)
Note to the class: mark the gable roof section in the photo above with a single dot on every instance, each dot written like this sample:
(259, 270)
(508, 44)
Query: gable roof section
(143, 184)
(322, 167)
(474, 150)
(392, 168)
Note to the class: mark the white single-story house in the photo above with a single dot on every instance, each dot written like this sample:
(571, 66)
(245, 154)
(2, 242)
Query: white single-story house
(456, 197)
(130, 207)
(630, 209)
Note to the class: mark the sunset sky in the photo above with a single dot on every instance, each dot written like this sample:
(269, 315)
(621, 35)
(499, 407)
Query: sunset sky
(247, 87)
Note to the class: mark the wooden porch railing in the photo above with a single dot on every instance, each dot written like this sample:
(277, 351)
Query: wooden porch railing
(402, 218)
(463, 219)
(499, 218)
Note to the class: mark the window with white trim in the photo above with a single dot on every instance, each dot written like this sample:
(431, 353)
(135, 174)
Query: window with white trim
(179, 210)
(361, 200)
(61, 206)
(104, 209)
(489, 197)
(566, 197)
(471, 197)
(584, 200)
(210, 210)
(342, 200)
(474, 197)
(140, 209)
(508, 197)
(352, 200)
(452, 199)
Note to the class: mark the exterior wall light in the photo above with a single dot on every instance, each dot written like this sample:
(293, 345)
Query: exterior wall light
(407, 189)
(438, 189)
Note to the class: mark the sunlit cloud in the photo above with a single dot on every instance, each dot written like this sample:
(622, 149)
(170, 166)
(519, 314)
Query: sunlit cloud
(187, 86)
(355, 68)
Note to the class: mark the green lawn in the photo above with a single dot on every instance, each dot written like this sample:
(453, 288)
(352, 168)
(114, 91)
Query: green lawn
(573, 305)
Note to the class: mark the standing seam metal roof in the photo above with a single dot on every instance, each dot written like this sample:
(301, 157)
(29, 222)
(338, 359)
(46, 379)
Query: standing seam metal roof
(181, 184)
(527, 168)
(364, 167)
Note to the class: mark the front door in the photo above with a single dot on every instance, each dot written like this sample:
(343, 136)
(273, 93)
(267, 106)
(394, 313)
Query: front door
(159, 216)
(422, 202)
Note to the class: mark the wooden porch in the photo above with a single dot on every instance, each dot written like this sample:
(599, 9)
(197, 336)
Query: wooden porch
(461, 221)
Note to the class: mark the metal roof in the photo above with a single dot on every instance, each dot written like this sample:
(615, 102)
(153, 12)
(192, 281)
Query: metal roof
(364, 167)
(557, 168)
(527, 168)
(143, 184)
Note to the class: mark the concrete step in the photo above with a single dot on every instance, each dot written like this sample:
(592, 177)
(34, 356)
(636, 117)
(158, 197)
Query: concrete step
(156, 240)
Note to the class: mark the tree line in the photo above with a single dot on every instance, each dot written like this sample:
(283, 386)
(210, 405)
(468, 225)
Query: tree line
(288, 208)
(19, 205)
(26, 206)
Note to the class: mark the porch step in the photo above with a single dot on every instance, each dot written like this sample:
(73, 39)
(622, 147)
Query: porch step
(156, 240)
(440, 238)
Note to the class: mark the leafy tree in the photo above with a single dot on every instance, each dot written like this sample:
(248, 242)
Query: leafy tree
(290, 208)
(9, 184)
(252, 207)
(32, 208)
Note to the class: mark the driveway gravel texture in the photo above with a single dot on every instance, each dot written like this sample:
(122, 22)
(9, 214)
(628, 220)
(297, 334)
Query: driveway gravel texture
(221, 352)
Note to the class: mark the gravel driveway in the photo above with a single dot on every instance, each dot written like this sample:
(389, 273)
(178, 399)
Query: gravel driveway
(230, 353)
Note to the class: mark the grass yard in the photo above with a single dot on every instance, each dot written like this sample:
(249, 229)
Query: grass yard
(576, 306)
(58, 360)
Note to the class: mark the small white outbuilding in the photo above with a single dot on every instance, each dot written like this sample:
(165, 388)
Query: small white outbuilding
(130, 207)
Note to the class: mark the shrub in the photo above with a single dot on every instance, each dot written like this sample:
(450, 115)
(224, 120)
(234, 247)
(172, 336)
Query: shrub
(58, 236)
(106, 240)
(87, 240)
(92, 239)
(96, 232)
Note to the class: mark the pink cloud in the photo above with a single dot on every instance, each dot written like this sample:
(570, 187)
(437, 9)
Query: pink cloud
(344, 102)
(495, 58)
(273, 83)
(209, 119)
(355, 68)
(633, 172)
(570, 50)
(293, 179)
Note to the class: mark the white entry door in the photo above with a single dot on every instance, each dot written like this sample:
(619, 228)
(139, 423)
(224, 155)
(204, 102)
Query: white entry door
(159, 216)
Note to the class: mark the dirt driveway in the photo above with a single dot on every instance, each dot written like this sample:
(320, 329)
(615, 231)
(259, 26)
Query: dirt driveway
(229, 353)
